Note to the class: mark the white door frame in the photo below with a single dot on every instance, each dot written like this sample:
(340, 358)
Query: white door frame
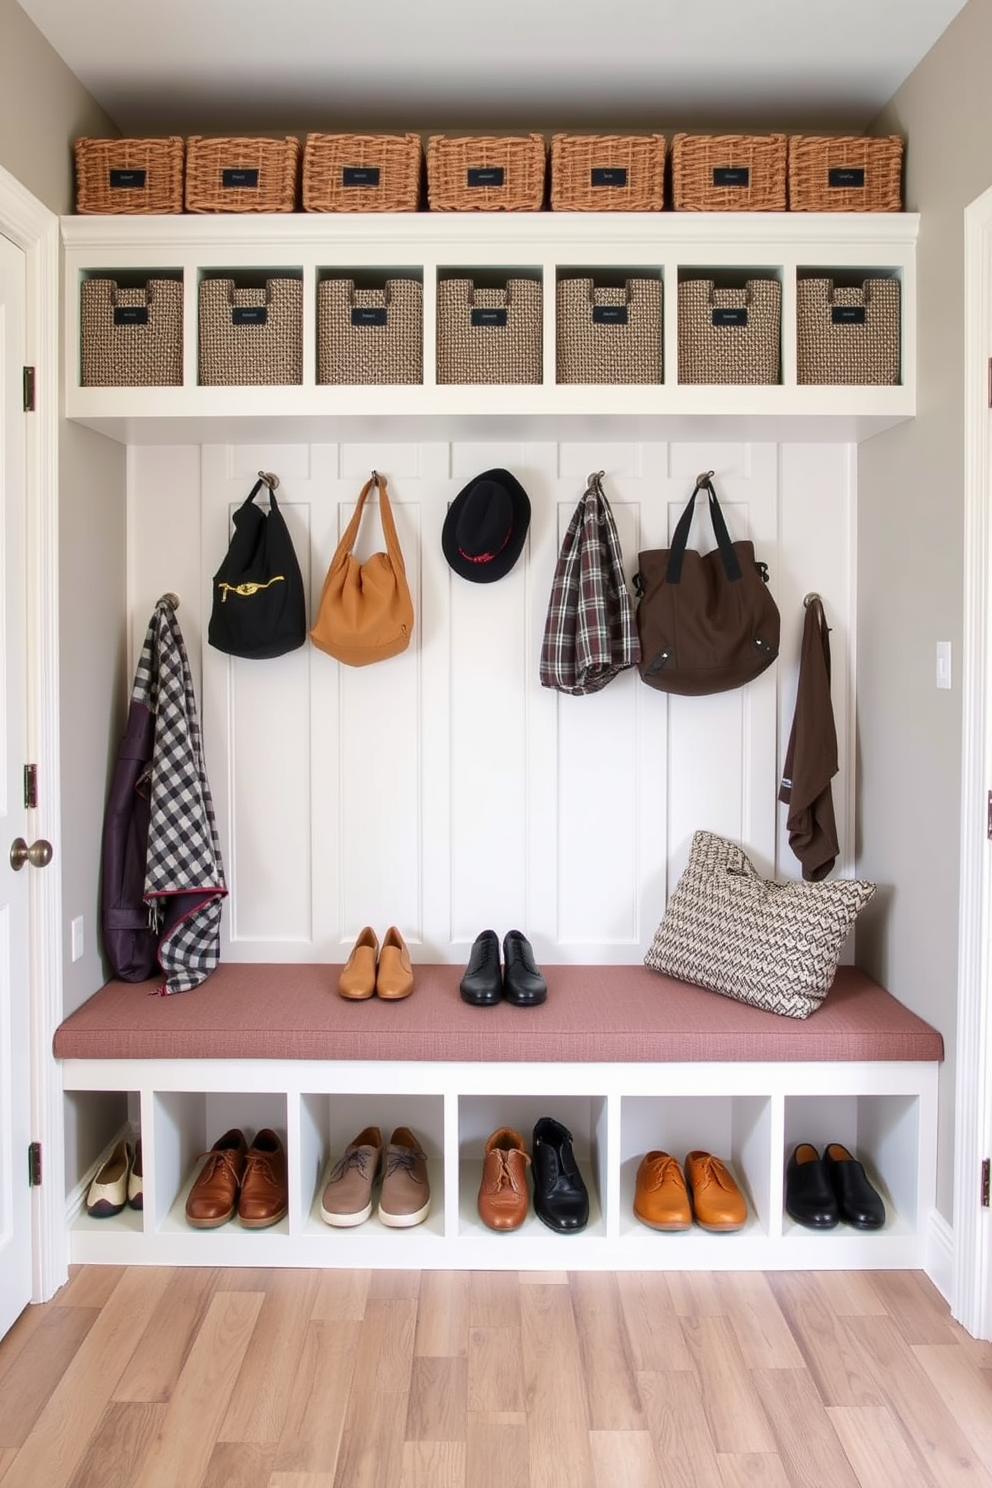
(35, 230)
(972, 1299)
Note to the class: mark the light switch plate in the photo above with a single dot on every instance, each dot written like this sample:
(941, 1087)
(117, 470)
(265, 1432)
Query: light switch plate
(77, 937)
(943, 664)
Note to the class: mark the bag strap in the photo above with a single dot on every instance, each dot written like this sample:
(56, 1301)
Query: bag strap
(676, 554)
(269, 486)
(386, 517)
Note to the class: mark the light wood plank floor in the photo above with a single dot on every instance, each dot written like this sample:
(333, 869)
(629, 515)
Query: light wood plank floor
(156, 1378)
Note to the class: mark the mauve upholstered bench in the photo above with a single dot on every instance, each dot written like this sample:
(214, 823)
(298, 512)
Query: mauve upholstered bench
(597, 1014)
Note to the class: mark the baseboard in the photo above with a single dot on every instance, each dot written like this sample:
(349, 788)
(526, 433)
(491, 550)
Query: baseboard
(940, 1255)
(76, 1197)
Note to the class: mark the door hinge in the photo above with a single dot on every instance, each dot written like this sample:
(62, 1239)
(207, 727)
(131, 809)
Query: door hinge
(30, 785)
(988, 819)
(29, 390)
(985, 1184)
(34, 1165)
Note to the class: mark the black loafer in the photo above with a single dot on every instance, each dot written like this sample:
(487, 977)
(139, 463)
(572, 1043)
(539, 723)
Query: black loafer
(859, 1204)
(809, 1195)
(523, 984)
(482, 984)
(561, 1198)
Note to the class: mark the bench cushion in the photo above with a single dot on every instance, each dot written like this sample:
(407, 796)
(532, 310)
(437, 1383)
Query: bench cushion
(594, 1014)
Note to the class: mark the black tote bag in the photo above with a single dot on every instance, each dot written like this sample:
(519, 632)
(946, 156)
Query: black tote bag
(258, 609)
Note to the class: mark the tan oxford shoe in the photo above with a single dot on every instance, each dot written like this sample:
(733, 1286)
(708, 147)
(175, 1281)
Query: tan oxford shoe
(661, 1198)
(357, 979)
(503, 1196)
(717, 1202)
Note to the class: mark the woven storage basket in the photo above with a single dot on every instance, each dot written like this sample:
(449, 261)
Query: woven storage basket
(845, 173)
(241, 175)
(729, 172)
(370, 335)
(485, 173)
(609, 334)
(362, 172)
(251, 336)
(847, 333)
(729, 335)
(607, 172)
(129, 175)
(131, 337)
(488, 335)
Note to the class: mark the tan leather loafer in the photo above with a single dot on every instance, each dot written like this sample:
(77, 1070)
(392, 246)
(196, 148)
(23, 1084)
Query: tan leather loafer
(503, 1196)
(717, 1202)
(661, 1198)
(357, 979)
(394, 979)
(264, 1196)
(213, 1199)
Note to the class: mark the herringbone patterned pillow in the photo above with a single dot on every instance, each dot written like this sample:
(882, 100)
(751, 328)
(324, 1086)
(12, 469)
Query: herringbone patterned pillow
(773, 945)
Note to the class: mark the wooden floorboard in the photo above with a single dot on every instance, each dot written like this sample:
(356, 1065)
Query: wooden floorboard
(154, 1377)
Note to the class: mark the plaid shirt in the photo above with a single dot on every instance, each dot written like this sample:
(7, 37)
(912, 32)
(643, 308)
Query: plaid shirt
(184, 876)
(589, 634)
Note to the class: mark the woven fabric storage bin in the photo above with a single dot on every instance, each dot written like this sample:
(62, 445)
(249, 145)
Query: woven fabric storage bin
(845, 173)
(251, 336)
(242, 174)
(370, 335)
(847, 334)
(729, 335)
(131, 337)
(729, 172)
(607, 172)
(609, 334)
(485, 173)
(488, 335)
(129, 175)
(362, 172)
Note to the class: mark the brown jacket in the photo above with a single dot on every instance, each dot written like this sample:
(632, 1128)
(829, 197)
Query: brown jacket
(811, 758)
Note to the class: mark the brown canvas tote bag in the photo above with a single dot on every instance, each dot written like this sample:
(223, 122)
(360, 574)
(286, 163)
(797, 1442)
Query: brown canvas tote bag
(707, 622)
(365, 612)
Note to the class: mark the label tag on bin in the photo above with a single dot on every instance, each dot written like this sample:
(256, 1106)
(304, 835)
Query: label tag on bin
(731, 175)
(249, 314)
(847, 314)
(359, 175)
(128, 179)
(239, 176)
(608, 175)
(609, 314)
(488, 317)
(130, 315)
(846, 175)
(363, 315)
(484, 175)
(730, 315)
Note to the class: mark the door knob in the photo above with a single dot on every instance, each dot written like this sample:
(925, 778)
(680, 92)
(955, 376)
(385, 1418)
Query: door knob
(39, 854)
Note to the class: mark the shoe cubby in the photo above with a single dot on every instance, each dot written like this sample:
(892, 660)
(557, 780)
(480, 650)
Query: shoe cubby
(540, 251)
(735, 1128)
(585, 1116)
(95, 1121)
(328, 1123)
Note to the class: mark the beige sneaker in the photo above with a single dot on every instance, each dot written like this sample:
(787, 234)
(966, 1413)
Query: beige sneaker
(406, 1192)
(347, 1199)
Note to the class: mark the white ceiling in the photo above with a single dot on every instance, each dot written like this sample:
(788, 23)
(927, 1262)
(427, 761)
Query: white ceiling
(236, 65)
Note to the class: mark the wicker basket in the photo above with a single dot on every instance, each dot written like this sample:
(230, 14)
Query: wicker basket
(845, 173)
(609, 334)
(729, 335)
(607, 172)
(485, 173)
(251, 336)
(489, 335)
(847, 334)
(241, 175)
(129, 175)
(729, 172)
(131, 337)
(370, 336)
(362, 172)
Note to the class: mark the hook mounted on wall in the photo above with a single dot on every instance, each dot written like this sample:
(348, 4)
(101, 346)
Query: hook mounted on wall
(272, 481)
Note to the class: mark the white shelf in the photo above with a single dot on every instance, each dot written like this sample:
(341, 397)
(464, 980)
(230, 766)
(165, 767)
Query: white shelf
(749, 1114)
(429, 244)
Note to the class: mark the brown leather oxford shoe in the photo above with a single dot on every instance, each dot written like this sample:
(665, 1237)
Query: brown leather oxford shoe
(264, 1195)
(503, 1196)
(213, 1199)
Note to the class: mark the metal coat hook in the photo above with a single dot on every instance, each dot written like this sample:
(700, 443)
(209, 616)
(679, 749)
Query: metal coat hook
(375, 479)
(172, 600)
(272, 481)
(810, 598)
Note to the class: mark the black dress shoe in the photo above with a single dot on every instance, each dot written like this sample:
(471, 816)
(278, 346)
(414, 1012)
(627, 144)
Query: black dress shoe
(809, 1195)
(857, 1201)
(523, 984)
(482, 984)
(561, 1199)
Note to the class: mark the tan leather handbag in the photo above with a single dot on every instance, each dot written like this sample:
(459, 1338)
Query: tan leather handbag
(365, 612)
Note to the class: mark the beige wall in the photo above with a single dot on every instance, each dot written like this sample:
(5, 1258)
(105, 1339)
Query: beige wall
(43, 108)
(910, 567)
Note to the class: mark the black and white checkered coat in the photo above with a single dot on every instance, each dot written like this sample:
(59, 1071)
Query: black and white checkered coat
(590, 633)
(184, 875)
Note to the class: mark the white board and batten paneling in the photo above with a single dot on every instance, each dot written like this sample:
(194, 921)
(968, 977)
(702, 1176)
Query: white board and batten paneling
(445, 791)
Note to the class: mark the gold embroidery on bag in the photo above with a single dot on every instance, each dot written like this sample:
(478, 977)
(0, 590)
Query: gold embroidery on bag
(246, 590)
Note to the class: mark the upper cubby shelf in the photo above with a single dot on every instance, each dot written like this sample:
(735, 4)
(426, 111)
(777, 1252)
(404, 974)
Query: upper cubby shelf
(204, 400)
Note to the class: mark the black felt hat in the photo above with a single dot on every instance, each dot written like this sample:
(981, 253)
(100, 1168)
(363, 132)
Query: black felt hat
(486, 526)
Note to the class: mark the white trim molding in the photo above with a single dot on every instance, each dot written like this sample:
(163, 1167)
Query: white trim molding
(971, 1302)
(35, 230)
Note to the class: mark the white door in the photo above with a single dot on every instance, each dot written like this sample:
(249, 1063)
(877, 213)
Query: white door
(15, 1208)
